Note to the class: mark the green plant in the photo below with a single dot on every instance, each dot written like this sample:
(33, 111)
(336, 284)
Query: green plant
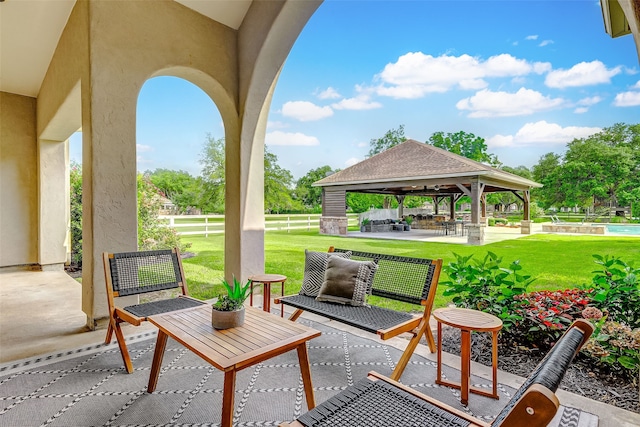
(486, 286)
(616, 290)
(366, 221)
(616, 345)
(235, 297)
(408, 219)
(491, 222)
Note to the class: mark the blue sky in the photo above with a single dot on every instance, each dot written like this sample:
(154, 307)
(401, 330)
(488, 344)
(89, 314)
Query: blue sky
(527, 76)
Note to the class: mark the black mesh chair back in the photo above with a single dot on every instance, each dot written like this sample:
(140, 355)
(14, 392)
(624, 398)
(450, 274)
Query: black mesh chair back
(135, 273)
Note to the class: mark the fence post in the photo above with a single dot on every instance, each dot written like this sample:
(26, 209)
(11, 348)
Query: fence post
(206, 226)
(308, 222)
(288, 224)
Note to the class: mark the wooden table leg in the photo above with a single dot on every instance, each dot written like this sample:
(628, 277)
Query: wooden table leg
(266, 298)
(305, 369)
(282, 295)
(494, 362)
(465, 360)
(158, 354)
(227, 398)
(251, 294)
(439, 364)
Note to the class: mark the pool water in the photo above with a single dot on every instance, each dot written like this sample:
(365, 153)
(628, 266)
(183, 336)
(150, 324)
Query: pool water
(624, 229)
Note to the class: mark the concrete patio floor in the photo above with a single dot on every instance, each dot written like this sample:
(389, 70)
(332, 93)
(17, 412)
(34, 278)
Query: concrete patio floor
(40, 313)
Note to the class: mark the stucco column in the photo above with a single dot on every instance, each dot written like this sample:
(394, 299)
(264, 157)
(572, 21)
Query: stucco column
(53, 204)
(109, 188)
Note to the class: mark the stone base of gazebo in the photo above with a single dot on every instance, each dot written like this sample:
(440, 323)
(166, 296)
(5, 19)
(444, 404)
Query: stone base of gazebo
(475, 234)
(334, 225)
(525, 227)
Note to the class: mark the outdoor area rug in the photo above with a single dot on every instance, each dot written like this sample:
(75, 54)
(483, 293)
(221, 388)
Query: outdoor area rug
(89, 386)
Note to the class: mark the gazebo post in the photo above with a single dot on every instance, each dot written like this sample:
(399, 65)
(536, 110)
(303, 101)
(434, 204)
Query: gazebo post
(452, 208)
(525, 224)
(400, 200)
(476, 228)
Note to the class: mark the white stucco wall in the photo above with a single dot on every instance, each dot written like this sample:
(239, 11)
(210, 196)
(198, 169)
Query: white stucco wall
(18, 181)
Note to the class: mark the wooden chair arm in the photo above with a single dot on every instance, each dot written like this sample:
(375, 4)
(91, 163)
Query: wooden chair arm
(128, 317)
(536, 408)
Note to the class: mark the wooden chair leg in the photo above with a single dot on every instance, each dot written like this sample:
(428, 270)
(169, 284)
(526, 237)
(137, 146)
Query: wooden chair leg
(423, 327)
(428, 334)
(294, 316)
(107, 339)
(123, 348)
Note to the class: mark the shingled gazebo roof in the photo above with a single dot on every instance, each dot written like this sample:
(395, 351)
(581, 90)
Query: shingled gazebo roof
(416, 168)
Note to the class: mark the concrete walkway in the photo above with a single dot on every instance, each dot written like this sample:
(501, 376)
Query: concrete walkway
(40, 313)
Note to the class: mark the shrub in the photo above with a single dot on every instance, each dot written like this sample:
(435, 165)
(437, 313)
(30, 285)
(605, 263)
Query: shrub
(486, 286)
(547, 314)
(616, 290)
(615, 345)
(491, 222)
(75, 183)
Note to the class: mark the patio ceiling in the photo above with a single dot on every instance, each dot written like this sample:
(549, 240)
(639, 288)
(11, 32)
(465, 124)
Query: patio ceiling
(419, 169)
(30, 31)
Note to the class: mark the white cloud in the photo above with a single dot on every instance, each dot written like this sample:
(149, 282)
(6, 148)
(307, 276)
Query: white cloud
(545, 43)
(582, 74)
(329, 93)
(143, 161)
(541, 132)
(305, 111)
(359, 102)
(362, 144)
(416, 74)
(627, 99)
(581, 110)
(532, 37)
(590, 100)
(276, 125)
(290, 139)
(504, 104)
(140, 148)
(636, 86)
(352, 161)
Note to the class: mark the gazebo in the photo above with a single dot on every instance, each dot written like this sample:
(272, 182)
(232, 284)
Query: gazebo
(414, 168)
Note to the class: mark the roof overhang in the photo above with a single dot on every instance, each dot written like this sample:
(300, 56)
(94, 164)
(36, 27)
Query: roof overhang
(622, 17)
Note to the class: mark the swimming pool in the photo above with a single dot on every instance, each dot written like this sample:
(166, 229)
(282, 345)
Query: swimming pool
(624, 229)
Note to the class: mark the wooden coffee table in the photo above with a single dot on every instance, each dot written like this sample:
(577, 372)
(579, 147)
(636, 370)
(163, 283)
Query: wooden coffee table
(261, 337)
(468, 320)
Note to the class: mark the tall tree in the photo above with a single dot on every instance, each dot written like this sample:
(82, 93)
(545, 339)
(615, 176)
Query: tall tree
(309, 196)
(390, 139)
(212, 160)
(464, 144)
(547, 173)
(277, 186)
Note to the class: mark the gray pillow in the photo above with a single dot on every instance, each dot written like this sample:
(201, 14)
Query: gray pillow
(347, 281)
(315, 263)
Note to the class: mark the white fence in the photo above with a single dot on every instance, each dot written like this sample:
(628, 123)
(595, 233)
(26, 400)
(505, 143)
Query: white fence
(203, 225)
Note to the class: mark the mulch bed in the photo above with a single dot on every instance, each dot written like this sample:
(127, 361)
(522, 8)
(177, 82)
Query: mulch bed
(582, 377)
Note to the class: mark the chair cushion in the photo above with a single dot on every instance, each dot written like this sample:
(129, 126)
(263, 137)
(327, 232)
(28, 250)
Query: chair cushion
(315, 264)
(347, 281)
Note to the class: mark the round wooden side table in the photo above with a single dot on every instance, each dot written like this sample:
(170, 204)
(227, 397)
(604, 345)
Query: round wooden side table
(468, 320)
(267, 280)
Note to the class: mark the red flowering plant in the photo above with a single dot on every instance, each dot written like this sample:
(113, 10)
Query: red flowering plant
(547, 314)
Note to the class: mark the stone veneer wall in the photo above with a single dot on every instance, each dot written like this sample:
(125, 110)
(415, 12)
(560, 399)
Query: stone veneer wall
(333, 225)
(571, 228)
(475, 234)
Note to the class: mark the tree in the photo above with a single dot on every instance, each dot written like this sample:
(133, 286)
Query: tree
(464, 144)
(178, 186)
(390, 139)
(212, 159)
(507, 198)
(277, 186)
(75, 180)
(309, 196)
(547, 173)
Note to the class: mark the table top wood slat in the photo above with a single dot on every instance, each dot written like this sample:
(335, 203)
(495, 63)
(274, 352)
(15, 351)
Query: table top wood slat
(464, 318)
(262, 336)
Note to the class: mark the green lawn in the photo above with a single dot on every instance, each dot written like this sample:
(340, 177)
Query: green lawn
(557, 261)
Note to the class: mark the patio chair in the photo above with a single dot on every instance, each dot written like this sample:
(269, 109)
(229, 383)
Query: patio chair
(378, 401)
(135, 273)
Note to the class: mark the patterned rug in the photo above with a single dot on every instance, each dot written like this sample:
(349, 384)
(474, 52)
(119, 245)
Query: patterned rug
(89, 386)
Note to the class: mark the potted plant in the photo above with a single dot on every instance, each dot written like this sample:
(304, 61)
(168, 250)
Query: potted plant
(365, 225)
(408, 220)
(228, 311)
